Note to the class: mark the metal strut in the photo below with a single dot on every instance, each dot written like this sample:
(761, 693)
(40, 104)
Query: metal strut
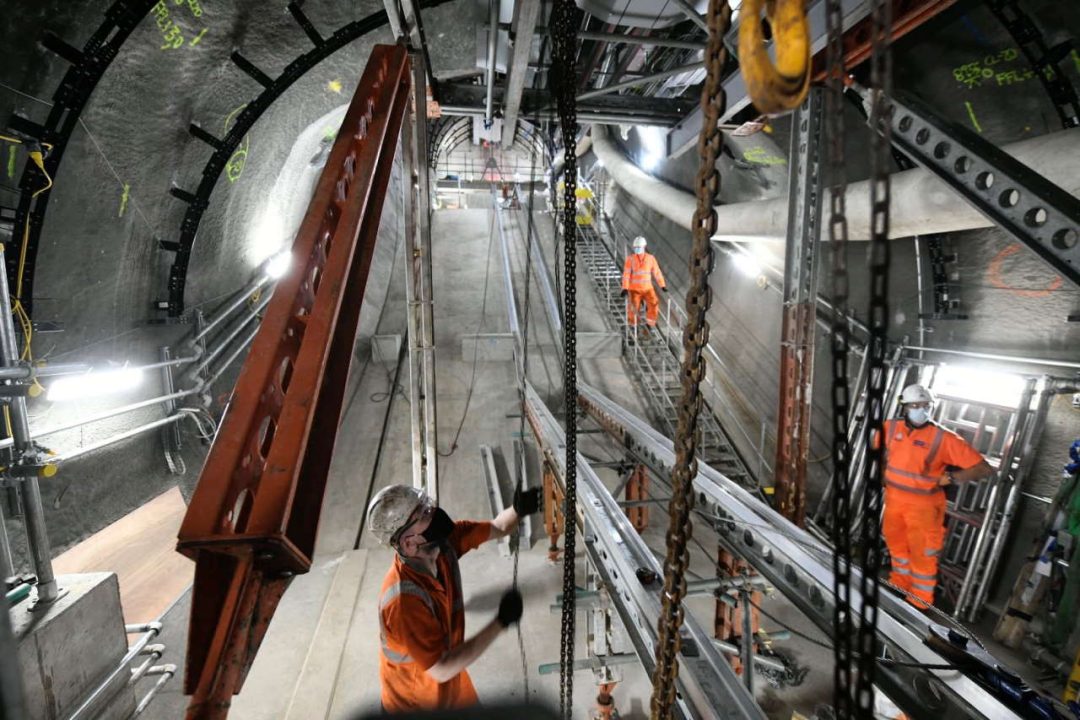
(252, 521)
(695, 340)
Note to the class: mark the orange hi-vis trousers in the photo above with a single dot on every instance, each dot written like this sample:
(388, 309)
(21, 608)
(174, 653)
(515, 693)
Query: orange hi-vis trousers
(914, 531)
(633, 305)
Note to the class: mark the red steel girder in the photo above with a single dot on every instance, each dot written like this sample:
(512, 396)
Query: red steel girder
(252, 521)
(907, 16)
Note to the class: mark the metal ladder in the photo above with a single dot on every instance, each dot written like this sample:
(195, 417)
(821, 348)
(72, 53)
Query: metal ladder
(653, 358)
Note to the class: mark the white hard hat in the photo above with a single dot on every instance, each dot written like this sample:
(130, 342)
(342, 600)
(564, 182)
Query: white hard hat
(639, 241)
(916, 394)
(391, 509)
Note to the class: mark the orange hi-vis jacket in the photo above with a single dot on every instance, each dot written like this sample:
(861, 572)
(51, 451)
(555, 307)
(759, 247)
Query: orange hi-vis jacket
(421, 618)
(913, 523)
(917, 458)
(639, 271)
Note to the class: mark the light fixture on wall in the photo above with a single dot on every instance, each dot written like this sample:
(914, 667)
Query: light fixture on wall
(278, 265)
(747, 265)
(653, 146)
(965, 382)
(94, 384)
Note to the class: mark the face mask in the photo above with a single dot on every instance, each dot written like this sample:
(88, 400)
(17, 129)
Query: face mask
(440, 528)
(639, 250)
(918, 416)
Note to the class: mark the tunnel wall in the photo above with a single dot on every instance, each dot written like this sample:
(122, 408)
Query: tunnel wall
(100, 267)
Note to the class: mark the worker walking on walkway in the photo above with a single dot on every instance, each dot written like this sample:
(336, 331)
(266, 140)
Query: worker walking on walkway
(421, 606)
(637, 282)
(921, 458)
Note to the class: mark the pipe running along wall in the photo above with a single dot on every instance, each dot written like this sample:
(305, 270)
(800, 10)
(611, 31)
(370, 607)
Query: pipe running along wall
(921, 204)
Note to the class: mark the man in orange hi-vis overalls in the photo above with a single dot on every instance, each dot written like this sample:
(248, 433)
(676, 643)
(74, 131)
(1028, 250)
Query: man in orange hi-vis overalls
(918, 457)
(424, 655)
(637, 282)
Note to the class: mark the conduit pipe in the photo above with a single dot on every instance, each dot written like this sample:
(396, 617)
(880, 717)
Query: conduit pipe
(921, 204)
(583, 146)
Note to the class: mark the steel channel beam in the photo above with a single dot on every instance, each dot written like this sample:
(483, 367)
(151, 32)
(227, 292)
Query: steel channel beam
(526, 13)
(418, 290)
(1035, 211)
(799, 310)
(708, 686)
(608, 89)
(800, 566)
(494, 488)
(508, 289)
(543, 276)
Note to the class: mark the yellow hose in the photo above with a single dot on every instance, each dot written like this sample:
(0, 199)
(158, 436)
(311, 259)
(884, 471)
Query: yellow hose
(783, 86)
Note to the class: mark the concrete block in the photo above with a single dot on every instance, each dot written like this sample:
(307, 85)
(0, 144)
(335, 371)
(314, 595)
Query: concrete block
(599, 345)
(70, 647)
(490, 347)
(385, 348)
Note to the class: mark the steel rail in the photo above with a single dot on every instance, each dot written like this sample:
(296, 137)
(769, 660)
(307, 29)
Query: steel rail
(708, 686)
(799, 565)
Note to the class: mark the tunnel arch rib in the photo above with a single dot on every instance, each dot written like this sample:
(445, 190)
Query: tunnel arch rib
(199, 200)
(87, 67)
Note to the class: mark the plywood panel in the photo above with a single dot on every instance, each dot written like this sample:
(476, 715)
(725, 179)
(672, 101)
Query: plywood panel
(141, 549)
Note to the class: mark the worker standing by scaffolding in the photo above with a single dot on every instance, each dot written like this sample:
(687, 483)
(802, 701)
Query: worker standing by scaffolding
(422, 665)
(919, 454)
(639, 272)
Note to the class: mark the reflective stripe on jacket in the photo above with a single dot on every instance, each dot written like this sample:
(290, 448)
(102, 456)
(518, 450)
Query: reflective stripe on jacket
(917, 458)
(639, 271)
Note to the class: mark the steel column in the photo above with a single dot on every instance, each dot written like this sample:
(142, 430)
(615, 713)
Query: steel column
(799, 308)
(252, 520)
(33, 513)
(526, 14)
(418, 290)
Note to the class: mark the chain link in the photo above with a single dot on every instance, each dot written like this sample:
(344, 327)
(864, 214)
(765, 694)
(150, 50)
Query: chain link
(564, 26)
(873, 437)
(843, 628)
(695, 339)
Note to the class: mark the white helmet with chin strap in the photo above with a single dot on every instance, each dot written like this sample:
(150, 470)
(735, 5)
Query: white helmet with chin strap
(390, 510)
(916, 394)
(639, 243)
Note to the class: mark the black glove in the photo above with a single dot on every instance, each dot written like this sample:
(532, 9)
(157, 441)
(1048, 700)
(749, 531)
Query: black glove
(510, 608)
(624, 293)
(527, 502)
(664, 288)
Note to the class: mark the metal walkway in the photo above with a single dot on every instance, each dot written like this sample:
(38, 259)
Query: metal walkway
(654, 358)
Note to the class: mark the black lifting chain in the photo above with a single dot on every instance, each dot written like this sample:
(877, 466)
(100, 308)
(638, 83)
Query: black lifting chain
(564, 26)
(873, 437)
(843, 627)
(1046, 62)
(695, 339)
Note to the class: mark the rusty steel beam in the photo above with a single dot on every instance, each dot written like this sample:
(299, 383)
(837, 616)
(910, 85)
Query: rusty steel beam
(252, 521)
(800, 290)
(907, 15)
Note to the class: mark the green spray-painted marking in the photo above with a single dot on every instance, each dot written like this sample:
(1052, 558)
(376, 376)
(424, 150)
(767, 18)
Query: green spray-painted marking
(329, 133)
(1076, 60)
(124, 200)
(234, 168)
(971, 114)
(11, 161)
(195, 40)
